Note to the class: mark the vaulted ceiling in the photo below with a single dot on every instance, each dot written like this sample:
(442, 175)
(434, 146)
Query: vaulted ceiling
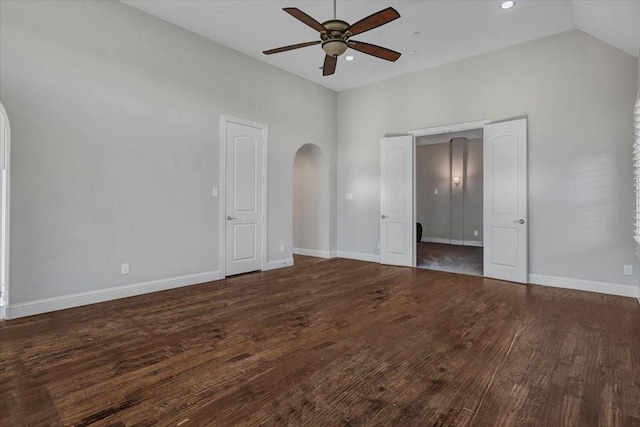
(429, 33)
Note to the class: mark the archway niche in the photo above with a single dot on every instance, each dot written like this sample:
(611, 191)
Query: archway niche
(311, 202)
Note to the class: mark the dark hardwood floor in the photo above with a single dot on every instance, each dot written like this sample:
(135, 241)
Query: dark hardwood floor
(451, 258)
(329, 343)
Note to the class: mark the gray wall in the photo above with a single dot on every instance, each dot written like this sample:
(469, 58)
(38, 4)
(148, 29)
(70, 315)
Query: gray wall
(473, 191)
(577, 93)
(455, 212)
(433, 172)
(311, 199)
(115, 139)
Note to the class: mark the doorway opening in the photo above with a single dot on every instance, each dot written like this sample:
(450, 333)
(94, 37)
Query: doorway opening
(311, 232)
(504, 183)
(449, 202)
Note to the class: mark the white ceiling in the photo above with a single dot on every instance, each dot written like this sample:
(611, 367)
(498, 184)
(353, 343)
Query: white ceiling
(438, 31)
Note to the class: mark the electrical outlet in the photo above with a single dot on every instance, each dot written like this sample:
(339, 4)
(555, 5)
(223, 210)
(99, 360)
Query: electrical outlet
(281, 248)
(124, 268)
(214, 192)
(628, 270)
(475, 233)
(348, 196)
(435, 191)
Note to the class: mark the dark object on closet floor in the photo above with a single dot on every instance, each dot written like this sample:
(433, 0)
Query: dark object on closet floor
(419, 232)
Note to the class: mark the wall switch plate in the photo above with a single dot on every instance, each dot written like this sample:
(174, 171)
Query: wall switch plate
(475, 233)
(124, 268)
(214, 192)
(281, 248)
(628, 270)
(349, 196)
(435, 191)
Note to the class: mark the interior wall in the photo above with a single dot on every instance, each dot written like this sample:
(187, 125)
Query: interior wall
(473, 192)
(116, 124)
(457, 191)
(433, 172)
(577, 94)
(311, 200)
(450, 214)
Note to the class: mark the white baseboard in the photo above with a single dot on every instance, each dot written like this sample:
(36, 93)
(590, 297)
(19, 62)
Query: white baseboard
(584, 285)
(2, 312)
(477, 243)
(435, 240)
(22, 309)
(281, 263)
(315, 253)
(359, 256)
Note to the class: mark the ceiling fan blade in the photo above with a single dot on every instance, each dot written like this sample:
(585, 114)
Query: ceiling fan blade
(329, 65)
(374, 50)
(304, 18)
(373, 21)
(291, 47)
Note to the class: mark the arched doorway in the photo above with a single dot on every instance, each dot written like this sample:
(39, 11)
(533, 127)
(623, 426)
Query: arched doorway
(4, 209)
(311, 232)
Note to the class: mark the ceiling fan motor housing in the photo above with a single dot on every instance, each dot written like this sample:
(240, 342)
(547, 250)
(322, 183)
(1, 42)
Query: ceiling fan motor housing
(334, 39)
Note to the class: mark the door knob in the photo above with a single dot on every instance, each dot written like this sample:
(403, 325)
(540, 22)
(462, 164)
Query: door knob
(518, 221)
(383, 216)
(231, 217)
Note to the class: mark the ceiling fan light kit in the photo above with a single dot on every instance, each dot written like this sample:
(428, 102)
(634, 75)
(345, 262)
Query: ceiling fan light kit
(335, 34)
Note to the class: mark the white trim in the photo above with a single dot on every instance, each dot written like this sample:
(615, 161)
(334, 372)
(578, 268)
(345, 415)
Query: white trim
(313, 252)
(457, 127)
(222, 194)
(435, 240)
(5, 145)
(475, 243)
(281, 263)
(46, 305)
(359, 256)
(584, 285)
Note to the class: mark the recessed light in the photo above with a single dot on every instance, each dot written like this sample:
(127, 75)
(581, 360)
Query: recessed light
(411, 52)
(507, 4)
(349, 58)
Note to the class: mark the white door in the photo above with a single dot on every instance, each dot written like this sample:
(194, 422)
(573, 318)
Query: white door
(397, 228)
(505, 201)
(243, 198)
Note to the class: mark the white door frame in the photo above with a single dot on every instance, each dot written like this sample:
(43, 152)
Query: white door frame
(436, 130)
(224, 120)
(5, 146)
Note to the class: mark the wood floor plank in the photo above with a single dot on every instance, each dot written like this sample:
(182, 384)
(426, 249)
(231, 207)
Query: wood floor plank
(329, 343)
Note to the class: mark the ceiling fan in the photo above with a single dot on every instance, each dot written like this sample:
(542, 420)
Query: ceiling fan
(335, 34)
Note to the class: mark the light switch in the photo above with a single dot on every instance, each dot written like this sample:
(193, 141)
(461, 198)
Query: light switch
(214, 192)
(435, 191)
(349, 196)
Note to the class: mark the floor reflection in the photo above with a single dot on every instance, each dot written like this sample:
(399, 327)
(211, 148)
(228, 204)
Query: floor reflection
(451, 258)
